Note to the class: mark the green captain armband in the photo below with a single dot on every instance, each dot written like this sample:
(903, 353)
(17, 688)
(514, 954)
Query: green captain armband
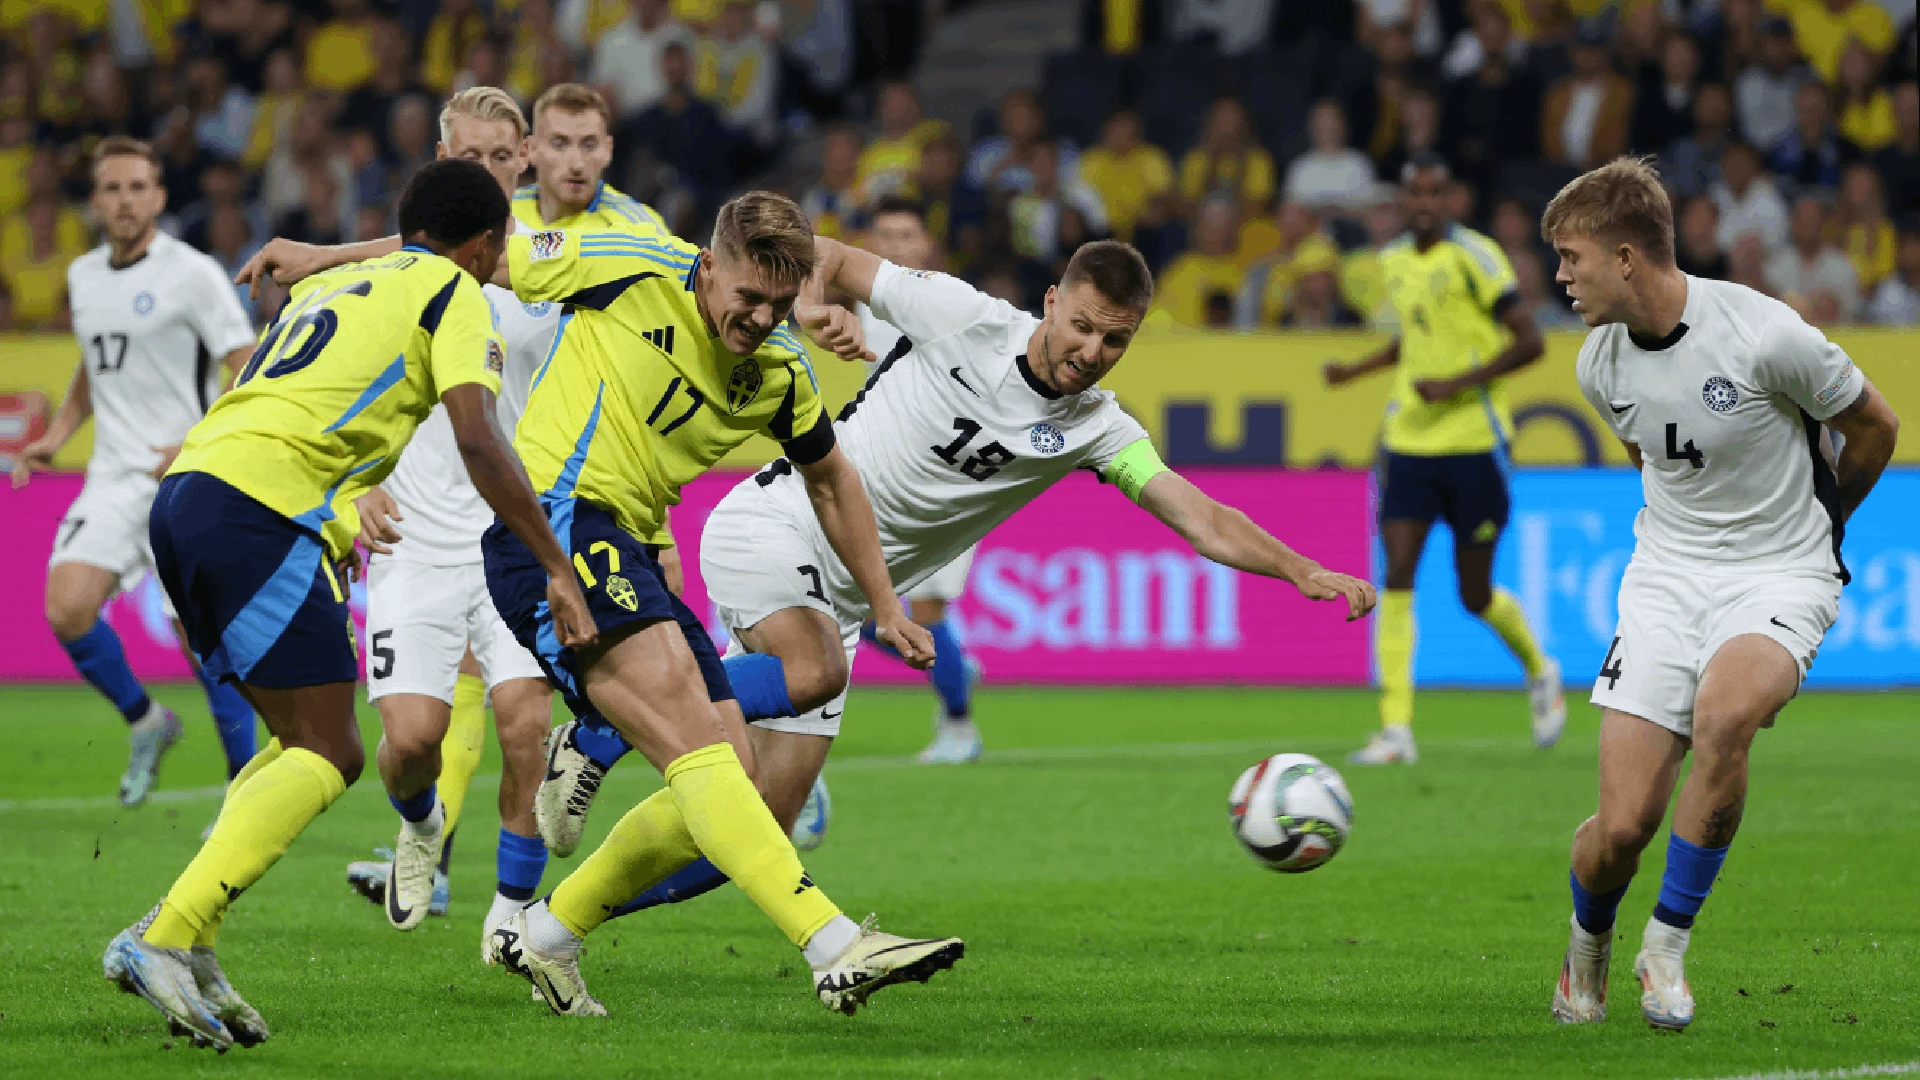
(1133, 467)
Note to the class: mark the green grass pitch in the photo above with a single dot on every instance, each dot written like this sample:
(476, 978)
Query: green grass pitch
(1113, 927)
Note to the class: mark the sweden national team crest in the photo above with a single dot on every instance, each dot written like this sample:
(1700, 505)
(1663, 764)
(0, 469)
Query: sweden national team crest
(743, 385)
(1047, 439)
(143, 303)
(620, 591)
(1719, 394)
(546, 245)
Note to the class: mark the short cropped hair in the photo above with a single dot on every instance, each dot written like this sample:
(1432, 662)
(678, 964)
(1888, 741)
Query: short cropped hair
(450, 201)
(573, 97)
(1115, 270)
(1621, 202)
(769, 230)
(123, 146)
(899, 204)
(482, 103)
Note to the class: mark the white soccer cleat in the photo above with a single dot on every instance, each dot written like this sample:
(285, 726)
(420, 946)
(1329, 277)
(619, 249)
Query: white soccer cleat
(810, 829)
(875, 959)
(1665, 998)
(501, 910)
(165, 978)
(368, 877)
(1581, 997)
(243, 1021)
(1391, 745)
(955, 742)
(1549, 706)
(560, 805)
(416, 858)
(152, 736)
(555, 978)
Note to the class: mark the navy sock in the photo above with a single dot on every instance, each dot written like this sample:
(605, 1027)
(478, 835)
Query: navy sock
(760, 682)
(518, 864)
(416, 808)
(599, 740)
(950, 676)
(446, 849)
(234, 719)
(1594, 912)
(870, 634)
(697, 878)
(1687, 880)
(103, 662)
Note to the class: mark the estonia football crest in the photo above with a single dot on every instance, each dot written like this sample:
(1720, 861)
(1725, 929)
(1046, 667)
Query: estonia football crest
(1719, 394)
(538, 309)
(1047, 439)
(143, 303)
(743, 385)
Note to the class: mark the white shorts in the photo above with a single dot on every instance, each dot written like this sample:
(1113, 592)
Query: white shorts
(107, 527)
(1673, 621)
(421, 620)
(948, 582)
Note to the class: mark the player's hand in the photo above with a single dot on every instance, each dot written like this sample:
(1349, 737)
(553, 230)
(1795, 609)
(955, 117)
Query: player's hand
(572, 622)
(36, 456)
(285, 261)
(352, 565)
(378, 512)
(1336, 373)
(906, 637)
(1325, 584)
(1432, 390)
(834, 327)
(167, 454)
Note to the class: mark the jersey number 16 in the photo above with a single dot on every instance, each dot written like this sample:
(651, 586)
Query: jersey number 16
(313, 314)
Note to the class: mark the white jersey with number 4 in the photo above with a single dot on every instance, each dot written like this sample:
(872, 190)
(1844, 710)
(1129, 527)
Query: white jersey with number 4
(442, 515)
(152, 335)
(1726, 412)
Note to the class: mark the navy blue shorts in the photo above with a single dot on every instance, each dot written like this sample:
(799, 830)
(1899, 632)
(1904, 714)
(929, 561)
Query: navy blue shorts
(1467, 491)
(620, 578)
(259, 601)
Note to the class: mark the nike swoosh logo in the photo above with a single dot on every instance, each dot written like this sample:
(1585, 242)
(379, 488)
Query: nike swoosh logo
(1783, 626)
(955, 372)
(553, 993)
(825, 715)
(553, 773)
(1618, 409)
(394, 911)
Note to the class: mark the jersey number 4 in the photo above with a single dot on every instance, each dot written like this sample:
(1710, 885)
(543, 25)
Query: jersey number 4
(311, 325)
(1689, 452)
(990, 458)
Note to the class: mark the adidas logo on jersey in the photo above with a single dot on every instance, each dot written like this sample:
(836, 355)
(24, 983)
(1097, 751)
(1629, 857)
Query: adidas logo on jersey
(662, 339)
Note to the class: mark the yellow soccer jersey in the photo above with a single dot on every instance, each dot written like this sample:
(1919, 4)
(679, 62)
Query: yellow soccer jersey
(637, 398)
(1449, 299)
(609, 210)
(338, 383)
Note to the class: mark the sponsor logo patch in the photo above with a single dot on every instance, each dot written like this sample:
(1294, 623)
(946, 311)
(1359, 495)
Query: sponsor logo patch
(496, 359)
(546, 245)
(1832, 390)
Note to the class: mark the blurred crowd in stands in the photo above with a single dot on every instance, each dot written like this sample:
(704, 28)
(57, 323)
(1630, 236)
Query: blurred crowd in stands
(1250, 148)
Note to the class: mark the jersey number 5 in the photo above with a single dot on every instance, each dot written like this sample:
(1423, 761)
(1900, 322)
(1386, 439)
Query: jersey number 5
(981, 466)
(276, 349)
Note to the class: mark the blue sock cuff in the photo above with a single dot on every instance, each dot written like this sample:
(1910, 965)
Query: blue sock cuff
(950, 675)
(760, 682)
(101, 660)
(1687, 880)
(697, 878)
(416, 808)
(1594, 911)
(600, 741)
(519, 863)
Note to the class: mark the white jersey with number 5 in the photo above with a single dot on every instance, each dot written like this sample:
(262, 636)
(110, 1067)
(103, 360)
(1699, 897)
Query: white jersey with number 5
(152, 335)
(953, 431)
(1726, 412)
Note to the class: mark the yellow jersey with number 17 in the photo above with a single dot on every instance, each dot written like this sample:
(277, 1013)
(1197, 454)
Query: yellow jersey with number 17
(1449, 298)
(338, 383)
(637, 398)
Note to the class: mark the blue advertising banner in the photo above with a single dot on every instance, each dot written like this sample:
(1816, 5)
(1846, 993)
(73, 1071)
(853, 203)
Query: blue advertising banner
(1569, 540)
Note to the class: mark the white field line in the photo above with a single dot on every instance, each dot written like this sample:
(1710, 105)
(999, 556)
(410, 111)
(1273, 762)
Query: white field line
(1896, 1068)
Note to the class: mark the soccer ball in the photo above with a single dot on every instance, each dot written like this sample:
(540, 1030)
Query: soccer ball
(1291, 812)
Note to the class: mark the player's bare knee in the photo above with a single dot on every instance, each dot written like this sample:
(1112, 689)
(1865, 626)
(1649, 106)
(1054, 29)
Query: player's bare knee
(70, 621)
(1625, 835)
(1721, 745)
(814, 681)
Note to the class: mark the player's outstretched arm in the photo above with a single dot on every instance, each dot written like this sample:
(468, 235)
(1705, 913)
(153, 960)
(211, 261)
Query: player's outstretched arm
(840, 501)
(288, 261)
(1229, 537)
(499, 478)
(841, 268)
(1340, 373)
(1870, 428)
(37, 456)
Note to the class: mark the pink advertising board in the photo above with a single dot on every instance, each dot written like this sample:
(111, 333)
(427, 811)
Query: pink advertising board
(1081, 587)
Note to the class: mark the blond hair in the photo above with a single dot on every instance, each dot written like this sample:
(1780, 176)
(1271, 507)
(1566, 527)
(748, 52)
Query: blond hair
(482, 103)
(124, 146)
(573, 97)
(769, 230)
(1621, 202)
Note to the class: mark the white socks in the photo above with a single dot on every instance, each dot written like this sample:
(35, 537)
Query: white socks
(547, 934)
(503, 908)
(434, 822)
(830, 941)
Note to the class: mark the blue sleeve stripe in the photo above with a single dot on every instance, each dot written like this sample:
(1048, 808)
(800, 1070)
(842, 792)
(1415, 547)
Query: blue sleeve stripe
(386, 380)
(637, 253)
(627, 240)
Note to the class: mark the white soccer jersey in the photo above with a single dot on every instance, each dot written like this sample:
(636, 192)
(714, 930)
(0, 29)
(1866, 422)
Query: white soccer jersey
(1726, 412)
(952, 433)
(152, 335)
(881, 335)
(442, 515)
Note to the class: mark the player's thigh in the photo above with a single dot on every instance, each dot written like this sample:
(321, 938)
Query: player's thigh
(822, 721)
(1474, 498)
(788, 765)
(417, 618)
(1762, 635)
(1639, 764)
(648, 683)
(100, 548)
(75, 593)
(1410, 500)
(413, 725)
(807, 642)
(1652, 665)
(316, 718)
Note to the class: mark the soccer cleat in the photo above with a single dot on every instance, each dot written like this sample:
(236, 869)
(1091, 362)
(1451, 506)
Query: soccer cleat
(410, 877)
(810, 831)
(1390, 745)
(1665, 998)
(1581, 997)
(1549, 706)
(955, 742)
(501, 910)
(556, 979)
(152, 736)
(368, 877)
(165, 978)
(560, 805)
(243, 1021)
(875, 960)
(442, 895)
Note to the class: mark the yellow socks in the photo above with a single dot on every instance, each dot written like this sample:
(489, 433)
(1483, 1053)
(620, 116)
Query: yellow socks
(210, 933)
(648, 844)
(460, 750)
(1506, 618)
(1393, 636)
(256, 826)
